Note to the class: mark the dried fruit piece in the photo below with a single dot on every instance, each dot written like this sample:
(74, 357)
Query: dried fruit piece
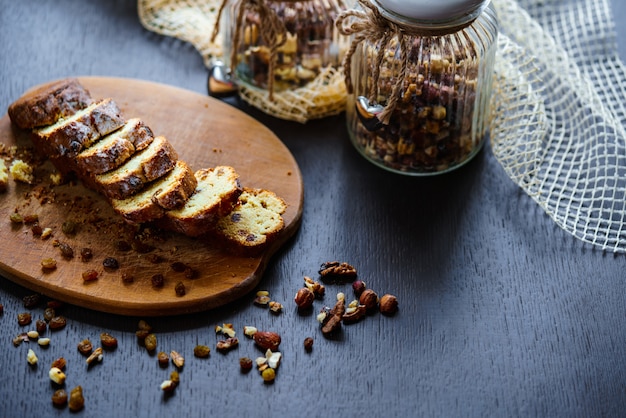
(57, 323)
(108, 341)
(86, 254)
(66, 250)
(85, 347)
(76, 401)
(201, 351)
(308, 344)
(163, 359)
(24, 318)
(48, 263)
(158, 281)
(150, 342)
(180, 289)
(41, 326)
(31, 301)
(59, 398)
(245, 363)
(90, 275)
(267, 340)
(268, 375)
(110, 263)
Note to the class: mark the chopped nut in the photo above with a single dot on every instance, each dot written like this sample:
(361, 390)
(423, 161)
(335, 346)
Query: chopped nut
(177, 359)
(249, 331)
(335, 270)
(46, 233)
(262, 298)
(226, 329)
(44, 342)
(388, 304)
(308, 344)
(304, 298)
(33, 335)
(107, 340)
(369, 298)
(77, 401)
(227, 344)
(273, 358)
(59, 398)
(95, 356)
(31, 357)
(354, 314)
(20, 338)
(275, 307)
(56, 375)
(85, 347)
(59, 363)
(267, 340)
(316, 287)
(332, 324)
(172, 383)
(201, 351)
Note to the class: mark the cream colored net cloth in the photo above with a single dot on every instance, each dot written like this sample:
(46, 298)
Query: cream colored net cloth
(559, 112)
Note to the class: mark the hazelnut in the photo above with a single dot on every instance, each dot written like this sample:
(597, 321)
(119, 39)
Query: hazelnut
(388, 304)
(369, 298)
(267, 340)
(304, 298)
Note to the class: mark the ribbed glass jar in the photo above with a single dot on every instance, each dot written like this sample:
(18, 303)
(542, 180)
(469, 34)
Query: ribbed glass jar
(309, 43)
(424, 110)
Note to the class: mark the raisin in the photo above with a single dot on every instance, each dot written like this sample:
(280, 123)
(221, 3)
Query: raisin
(180, 289)
(108, 341)
(85, 347)
(59, 398)
(111, 263)
(41, 326)
(57, 322)
(90, 275)
(31, 301)
(86, 254)
(24, 318)
(158, 280)
(49, 313)
(66, 250)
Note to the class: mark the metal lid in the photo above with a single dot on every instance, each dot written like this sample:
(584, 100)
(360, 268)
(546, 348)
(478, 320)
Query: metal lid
(434, 10)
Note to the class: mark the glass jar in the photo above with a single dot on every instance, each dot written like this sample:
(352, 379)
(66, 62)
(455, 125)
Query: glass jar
(420, 82)
(283, 46)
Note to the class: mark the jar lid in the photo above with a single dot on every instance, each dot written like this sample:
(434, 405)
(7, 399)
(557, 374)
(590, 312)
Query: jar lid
(433, 10)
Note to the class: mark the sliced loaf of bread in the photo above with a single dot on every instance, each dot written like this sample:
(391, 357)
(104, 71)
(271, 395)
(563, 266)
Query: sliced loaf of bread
(71, 135)
(169, 192)
(114, 149)
(253, 223)
(216, 193)
(145, 166)
(47, 104)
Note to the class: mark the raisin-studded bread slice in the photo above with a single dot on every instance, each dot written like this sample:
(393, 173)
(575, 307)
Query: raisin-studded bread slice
(47, 104)
(71, 135)
(145, 166)
(253, 223)
(114, 149)
(169, 192)
(217, 191)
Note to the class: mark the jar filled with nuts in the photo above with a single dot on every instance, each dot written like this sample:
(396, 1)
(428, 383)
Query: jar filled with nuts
(419, 74)
(273, 48)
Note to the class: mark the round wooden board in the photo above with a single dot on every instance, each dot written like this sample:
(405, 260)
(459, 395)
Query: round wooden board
(205, 132)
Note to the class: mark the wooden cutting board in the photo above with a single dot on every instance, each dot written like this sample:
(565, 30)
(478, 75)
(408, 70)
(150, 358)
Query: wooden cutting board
(205, 132)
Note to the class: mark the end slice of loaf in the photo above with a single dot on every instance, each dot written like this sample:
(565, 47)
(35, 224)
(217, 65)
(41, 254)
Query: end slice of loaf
(114, 149)
(47, 104)
(170, 191)
(217, 191)
(143, 167)
(71, 135)
(253, 223)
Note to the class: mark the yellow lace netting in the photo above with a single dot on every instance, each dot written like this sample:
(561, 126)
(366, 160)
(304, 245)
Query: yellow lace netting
(558, 122)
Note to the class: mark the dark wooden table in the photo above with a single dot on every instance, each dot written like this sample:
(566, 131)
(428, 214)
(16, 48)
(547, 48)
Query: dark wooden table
(501, 312)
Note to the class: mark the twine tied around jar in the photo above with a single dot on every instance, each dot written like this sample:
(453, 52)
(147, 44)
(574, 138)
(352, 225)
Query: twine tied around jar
(370, 25)
(272, 30)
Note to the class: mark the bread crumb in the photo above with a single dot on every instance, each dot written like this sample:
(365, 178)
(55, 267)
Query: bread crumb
(56, 179)
(21, 171)
(4, 176)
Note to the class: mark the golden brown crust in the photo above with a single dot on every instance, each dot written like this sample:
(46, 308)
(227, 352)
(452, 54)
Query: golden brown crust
(174, 193)
(145, 166)
(45, 105)
(71, 135)
(114, 149)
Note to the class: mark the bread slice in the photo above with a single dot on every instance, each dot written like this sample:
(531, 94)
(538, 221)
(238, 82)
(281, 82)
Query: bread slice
(71, 135)
(169, 192)
(47, 104)
(114, 149)
(145, 166)
(217, 191)
(253, 223)
(4, 176)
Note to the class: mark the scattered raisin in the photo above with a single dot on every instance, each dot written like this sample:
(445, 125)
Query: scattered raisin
(308, 344)
(90, 275)
(178, 266)
(180, 289)
(76, 401)
(69, 228)
(31, 301)
(163, 359)
(201, 351)
(150, 342)
(57, 322)
(41, 326)
(66, 250)
(85, 347)
(111, 263)
(59, 398)
(86, 254)
(48, 314)
(190, 273)
(59, 363)
(48, 263)
(24, 318)
(37, 230)
(158, 280)
(245, 363)
(127, 277)
(31, 219)
(108, 341)
(16, 218)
